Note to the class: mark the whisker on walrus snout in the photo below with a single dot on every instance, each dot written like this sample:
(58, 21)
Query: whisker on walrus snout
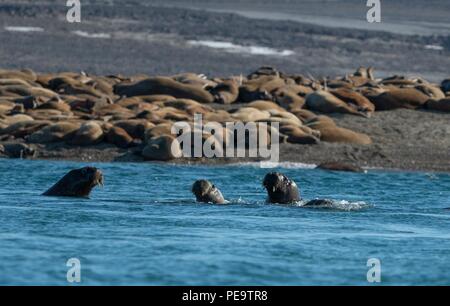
(101, 181)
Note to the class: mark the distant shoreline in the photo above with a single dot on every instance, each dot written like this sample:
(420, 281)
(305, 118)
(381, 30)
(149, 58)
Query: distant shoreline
(135, 35)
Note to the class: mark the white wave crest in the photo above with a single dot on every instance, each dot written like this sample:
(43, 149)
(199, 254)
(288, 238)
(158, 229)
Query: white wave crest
(282, 165)
(343, 205)
(233, 48)
(24, 29)
(434, 47)
(91, 35)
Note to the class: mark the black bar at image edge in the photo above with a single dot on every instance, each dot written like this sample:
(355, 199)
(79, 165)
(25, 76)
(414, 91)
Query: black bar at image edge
(214, 295)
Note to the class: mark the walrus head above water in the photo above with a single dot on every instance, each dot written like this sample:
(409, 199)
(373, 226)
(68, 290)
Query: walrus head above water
(281, 189)
(77, 183)
(206, 192)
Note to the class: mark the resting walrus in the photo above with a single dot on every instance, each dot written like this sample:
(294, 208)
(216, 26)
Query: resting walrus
(282, 190)
(77, 183)
(206, 192)
(339, 166)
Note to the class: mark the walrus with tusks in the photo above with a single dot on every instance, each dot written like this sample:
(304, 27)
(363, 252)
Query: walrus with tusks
(77, 183)
(282, 190)
(206, 192)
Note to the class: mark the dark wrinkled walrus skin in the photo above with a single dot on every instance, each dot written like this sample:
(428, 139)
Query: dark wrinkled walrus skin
(206, 192)
(77, 183)
(282, 190)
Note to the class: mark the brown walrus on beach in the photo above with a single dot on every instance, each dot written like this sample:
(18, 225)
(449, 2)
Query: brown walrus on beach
(90, 133)
(364, 72)
(394, 98)
(356, 100)
(325, 102)
(442, 105)
(164, 86)
(8, 120)
(135, 127)
(340, 166)
(206, 192)
(23, 128)
(432, 91)
(283, 118)
(191, 107)
(250, 114)
(6, 106)
(162, 148)
(49, 114)
(18, 150)
(300, 135)
(221, 116)
(55, 104)
(304, 114)
(330, 132)
(199, 80)
(119, 137)
(226, 92)
(60, 131)
(289, 98)
(24, 91)
(24, 74)
(77, 183)
(116, 111)
(260, 88)
(265, 105)
(264, 71)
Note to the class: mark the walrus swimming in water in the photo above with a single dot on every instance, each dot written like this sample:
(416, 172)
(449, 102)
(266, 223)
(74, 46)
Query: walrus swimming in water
(77, 183)
(282, 190)
(206, 192)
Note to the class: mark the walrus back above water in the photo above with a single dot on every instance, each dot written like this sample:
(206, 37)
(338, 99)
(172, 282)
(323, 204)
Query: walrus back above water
(77, 183)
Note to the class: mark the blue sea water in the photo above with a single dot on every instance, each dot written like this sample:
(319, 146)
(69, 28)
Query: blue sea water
(144, 227)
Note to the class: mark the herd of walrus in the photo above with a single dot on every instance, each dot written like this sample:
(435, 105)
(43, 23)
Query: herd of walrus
(137, 112)
(280, 189)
